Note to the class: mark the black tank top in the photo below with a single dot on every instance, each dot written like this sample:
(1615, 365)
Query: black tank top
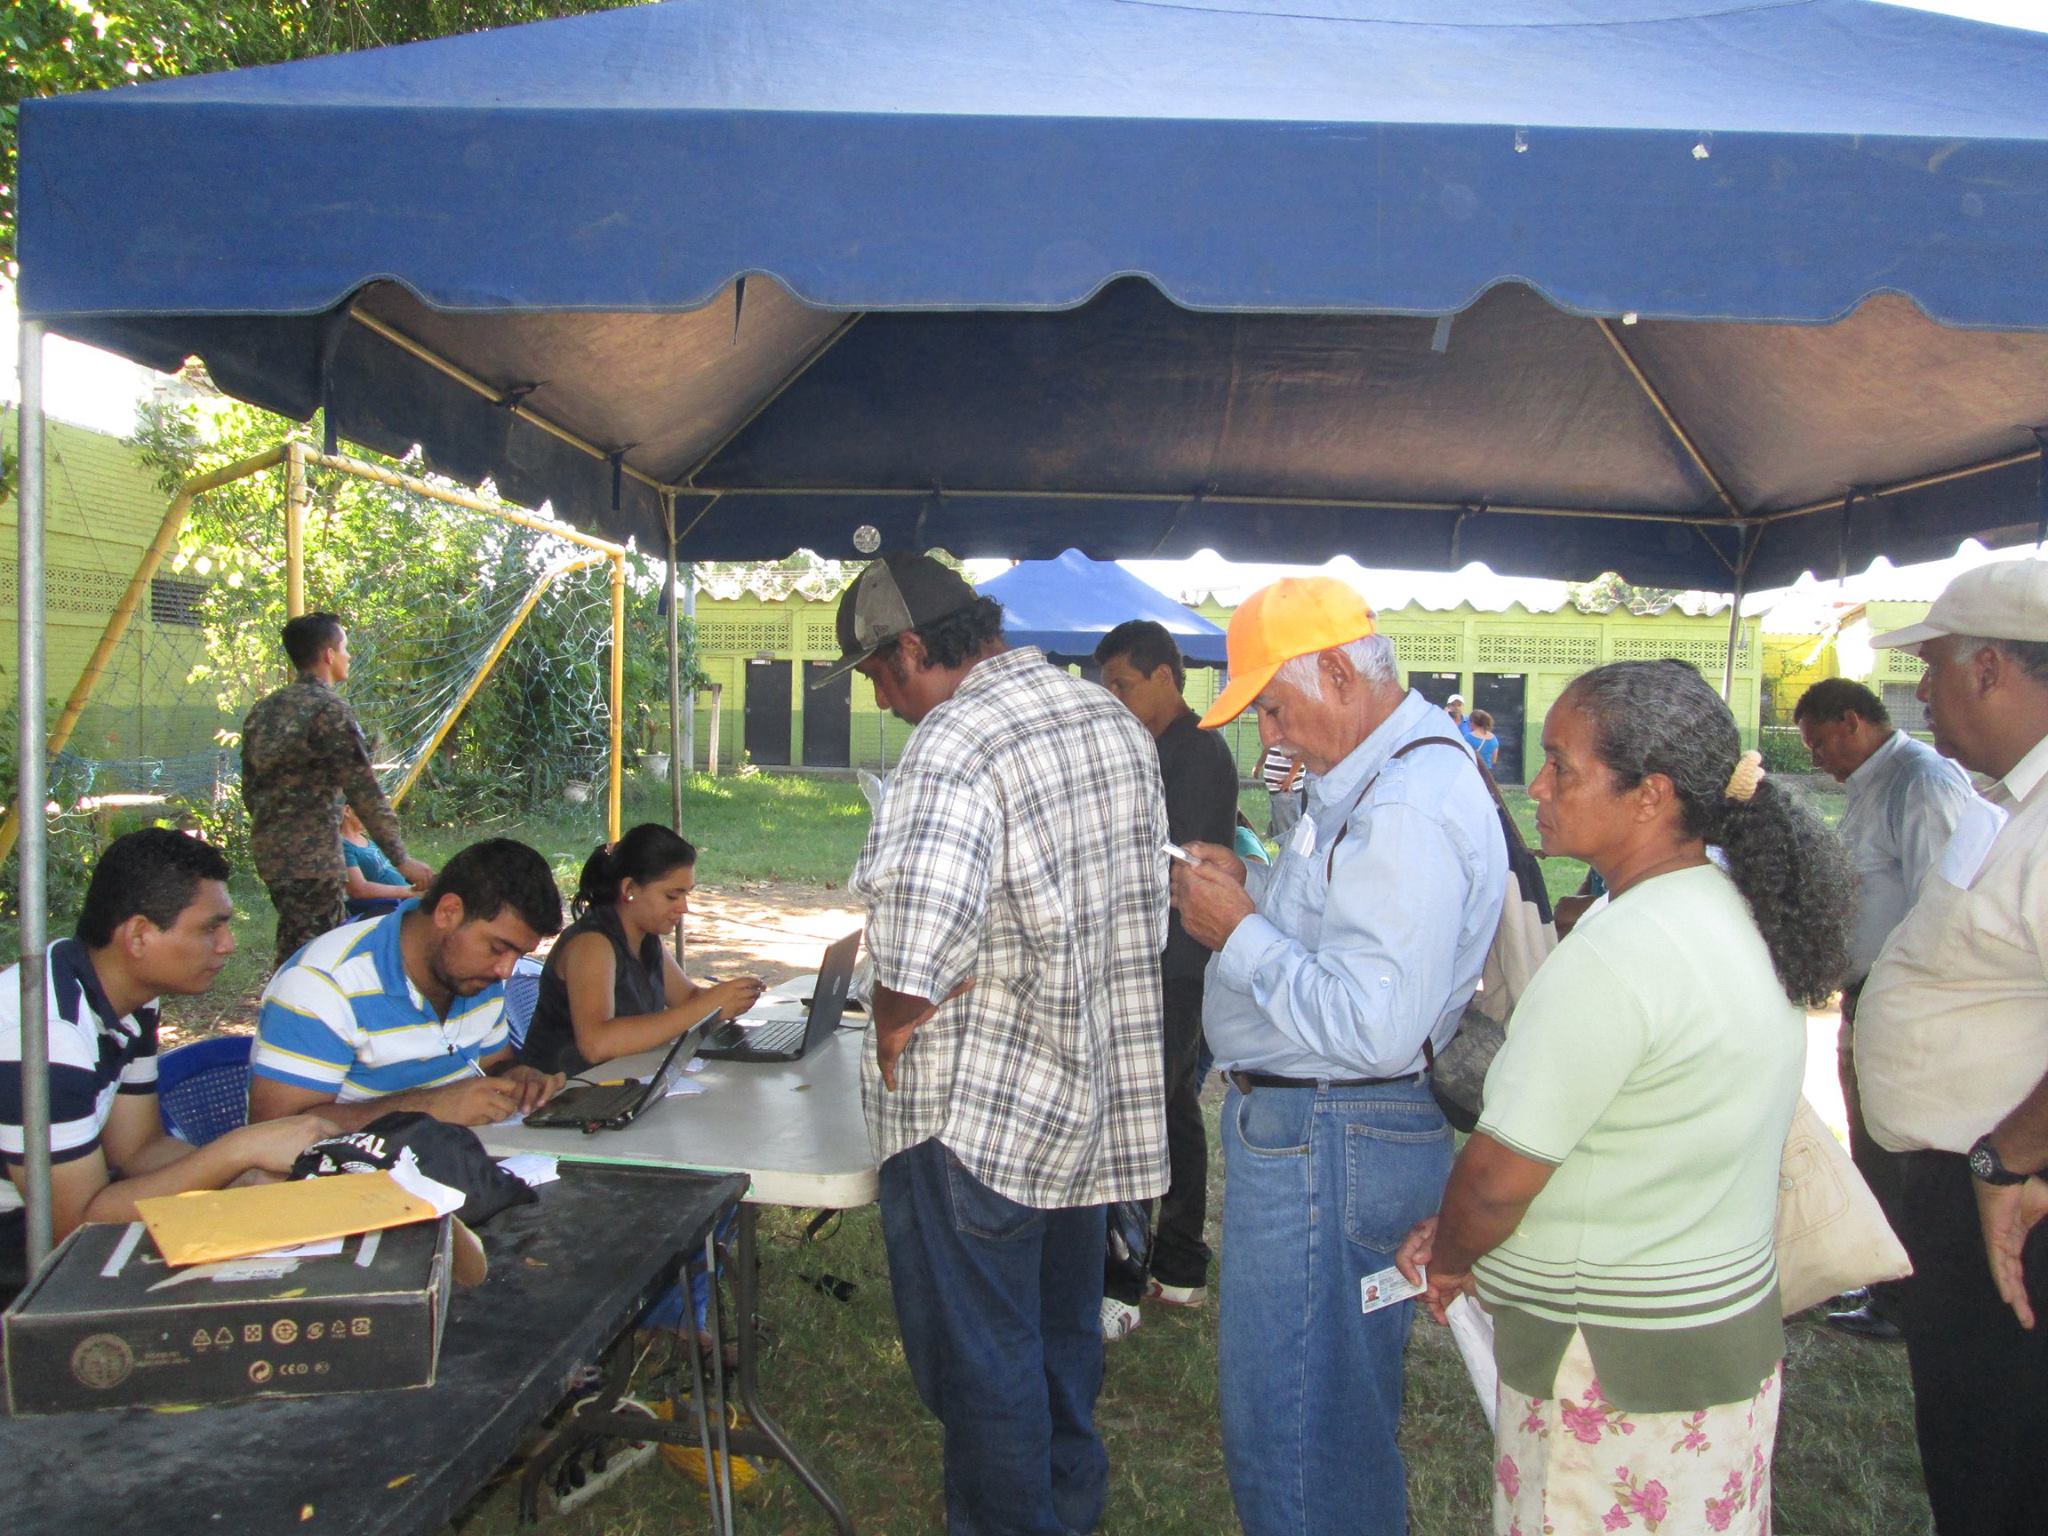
(639, 986)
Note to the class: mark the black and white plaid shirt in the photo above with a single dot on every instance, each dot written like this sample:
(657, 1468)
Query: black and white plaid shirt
(1019, 844)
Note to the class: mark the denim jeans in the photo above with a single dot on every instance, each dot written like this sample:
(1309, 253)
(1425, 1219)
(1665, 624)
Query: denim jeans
(1000, 1306)
(1320, 1186)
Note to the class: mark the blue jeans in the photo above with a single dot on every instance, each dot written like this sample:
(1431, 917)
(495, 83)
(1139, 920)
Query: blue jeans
(1000, 1310)
(1320, 1186)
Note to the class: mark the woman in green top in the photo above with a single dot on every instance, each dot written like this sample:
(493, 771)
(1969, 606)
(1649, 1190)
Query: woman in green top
(1614, 1208)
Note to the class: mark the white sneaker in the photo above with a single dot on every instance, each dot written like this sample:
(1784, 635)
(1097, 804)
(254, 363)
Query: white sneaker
(1119, 1319)
(1176, 1295)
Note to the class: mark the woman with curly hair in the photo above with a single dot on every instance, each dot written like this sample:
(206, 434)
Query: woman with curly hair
(1614, 1209)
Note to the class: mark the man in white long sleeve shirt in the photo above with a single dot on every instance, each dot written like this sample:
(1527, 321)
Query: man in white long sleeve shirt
(1904, 798)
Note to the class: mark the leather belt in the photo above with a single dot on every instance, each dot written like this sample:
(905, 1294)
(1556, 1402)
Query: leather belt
(1245, 1082)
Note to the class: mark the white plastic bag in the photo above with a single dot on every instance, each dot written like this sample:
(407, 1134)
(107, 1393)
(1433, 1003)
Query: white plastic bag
(1473, 1331)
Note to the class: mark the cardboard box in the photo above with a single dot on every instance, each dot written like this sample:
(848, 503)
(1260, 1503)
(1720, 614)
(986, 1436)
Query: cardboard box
(107, 1324)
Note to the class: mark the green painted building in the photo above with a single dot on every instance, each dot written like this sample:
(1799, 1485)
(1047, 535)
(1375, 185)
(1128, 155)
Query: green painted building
(103, 508)
(1512, 662)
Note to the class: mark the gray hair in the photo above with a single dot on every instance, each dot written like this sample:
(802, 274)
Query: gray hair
(1371, 656)
(2030, 656)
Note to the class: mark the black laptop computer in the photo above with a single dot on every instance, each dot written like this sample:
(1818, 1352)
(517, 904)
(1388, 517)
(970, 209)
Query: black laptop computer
(791, 1039)
(613, 1106)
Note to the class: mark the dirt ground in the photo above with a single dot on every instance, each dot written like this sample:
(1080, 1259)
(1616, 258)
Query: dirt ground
(771, 929)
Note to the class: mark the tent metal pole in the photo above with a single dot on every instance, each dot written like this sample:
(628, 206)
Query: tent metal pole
(471, 382)
(1735, 620)
(615, 796)
(31, 771)
(689, 757)
(677, 763)
(925, 494)
(1669, 417)
(804, 366)
(1900, 487)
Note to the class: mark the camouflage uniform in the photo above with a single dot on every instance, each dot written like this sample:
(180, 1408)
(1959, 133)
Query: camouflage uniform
(302, 754)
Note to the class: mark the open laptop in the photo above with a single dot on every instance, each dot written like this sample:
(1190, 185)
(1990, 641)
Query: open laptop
(791, 1039)
(614, 1106)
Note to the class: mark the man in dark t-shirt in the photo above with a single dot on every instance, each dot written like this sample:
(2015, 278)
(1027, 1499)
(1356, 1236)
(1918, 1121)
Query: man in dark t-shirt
(1142, 666)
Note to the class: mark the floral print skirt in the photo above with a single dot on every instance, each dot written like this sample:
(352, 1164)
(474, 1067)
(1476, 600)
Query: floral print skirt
(1575, 1463)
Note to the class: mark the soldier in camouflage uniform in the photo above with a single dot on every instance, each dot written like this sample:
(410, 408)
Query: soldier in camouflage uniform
(303, 754)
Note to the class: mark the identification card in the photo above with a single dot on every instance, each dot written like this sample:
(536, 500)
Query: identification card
(1385, 1288)
(1303, 840)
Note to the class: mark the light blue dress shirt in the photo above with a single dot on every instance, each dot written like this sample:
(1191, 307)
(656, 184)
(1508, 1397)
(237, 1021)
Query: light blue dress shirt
(1903, 804)
(1347, 977)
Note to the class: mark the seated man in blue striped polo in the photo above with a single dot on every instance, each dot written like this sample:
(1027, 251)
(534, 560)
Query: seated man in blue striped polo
(407, 1011)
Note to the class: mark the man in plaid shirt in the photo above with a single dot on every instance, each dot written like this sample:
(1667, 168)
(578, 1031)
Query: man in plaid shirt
(1016, 894)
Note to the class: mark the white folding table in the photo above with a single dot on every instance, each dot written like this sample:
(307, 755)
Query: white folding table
(795, 1129)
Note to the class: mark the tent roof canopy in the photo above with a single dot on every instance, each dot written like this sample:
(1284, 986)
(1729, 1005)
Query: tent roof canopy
(1134, 278)
(1065, 606)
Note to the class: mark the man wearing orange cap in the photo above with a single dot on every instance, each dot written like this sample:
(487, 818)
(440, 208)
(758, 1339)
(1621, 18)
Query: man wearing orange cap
(1337, 975)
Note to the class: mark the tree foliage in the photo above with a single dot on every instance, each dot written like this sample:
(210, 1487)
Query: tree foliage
(49, 47)
(422, 587)
(1607, 592)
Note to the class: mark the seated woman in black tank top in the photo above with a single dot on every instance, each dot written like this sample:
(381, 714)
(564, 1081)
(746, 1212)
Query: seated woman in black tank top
(611, 987)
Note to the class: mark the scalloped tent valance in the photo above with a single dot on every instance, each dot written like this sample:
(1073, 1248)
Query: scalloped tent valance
(1710, 294)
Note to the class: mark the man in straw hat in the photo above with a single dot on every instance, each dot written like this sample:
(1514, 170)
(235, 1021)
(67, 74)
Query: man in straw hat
(1952, 1063)
(1014, 881)
(1337, 974)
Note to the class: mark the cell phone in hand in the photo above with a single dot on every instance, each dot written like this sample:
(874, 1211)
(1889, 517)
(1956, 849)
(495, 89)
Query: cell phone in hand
(1175, 851)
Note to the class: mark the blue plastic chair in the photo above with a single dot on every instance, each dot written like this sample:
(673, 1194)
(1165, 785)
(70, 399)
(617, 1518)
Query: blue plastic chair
(202, 1089)
(522, 996)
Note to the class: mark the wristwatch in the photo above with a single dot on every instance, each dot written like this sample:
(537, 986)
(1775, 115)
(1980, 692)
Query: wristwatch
(1987, 1166)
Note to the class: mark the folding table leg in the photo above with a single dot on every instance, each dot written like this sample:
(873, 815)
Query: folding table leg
(746, 1294)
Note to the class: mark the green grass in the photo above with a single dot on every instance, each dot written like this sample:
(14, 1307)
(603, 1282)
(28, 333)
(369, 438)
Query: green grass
(835, 1372)
(835, 1377)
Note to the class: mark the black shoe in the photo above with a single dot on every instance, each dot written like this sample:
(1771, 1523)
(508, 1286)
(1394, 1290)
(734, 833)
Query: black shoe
(1866, 1323)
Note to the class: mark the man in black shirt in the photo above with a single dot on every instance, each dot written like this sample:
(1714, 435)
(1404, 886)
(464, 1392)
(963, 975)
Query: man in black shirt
(1142, 666)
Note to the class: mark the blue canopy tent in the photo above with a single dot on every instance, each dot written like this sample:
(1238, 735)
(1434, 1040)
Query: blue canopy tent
(1065, 606)
(1706, 292)
(1274, 278)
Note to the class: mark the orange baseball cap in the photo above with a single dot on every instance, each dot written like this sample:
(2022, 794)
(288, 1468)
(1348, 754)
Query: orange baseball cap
(1296, 616)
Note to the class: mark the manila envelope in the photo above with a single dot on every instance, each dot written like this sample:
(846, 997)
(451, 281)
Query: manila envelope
(202, 1226)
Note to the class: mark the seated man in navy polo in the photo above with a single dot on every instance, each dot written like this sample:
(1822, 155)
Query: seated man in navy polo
(155, 920)
(407, 1011)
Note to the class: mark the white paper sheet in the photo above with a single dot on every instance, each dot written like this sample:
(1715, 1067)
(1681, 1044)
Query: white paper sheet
(532, 1168)
(1472, 1329)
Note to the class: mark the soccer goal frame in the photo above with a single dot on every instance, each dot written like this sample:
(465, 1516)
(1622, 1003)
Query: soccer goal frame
(294, 457)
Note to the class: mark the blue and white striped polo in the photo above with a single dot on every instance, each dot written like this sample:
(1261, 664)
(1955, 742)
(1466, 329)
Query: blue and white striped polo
(344, 1018)
(94, 1054)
